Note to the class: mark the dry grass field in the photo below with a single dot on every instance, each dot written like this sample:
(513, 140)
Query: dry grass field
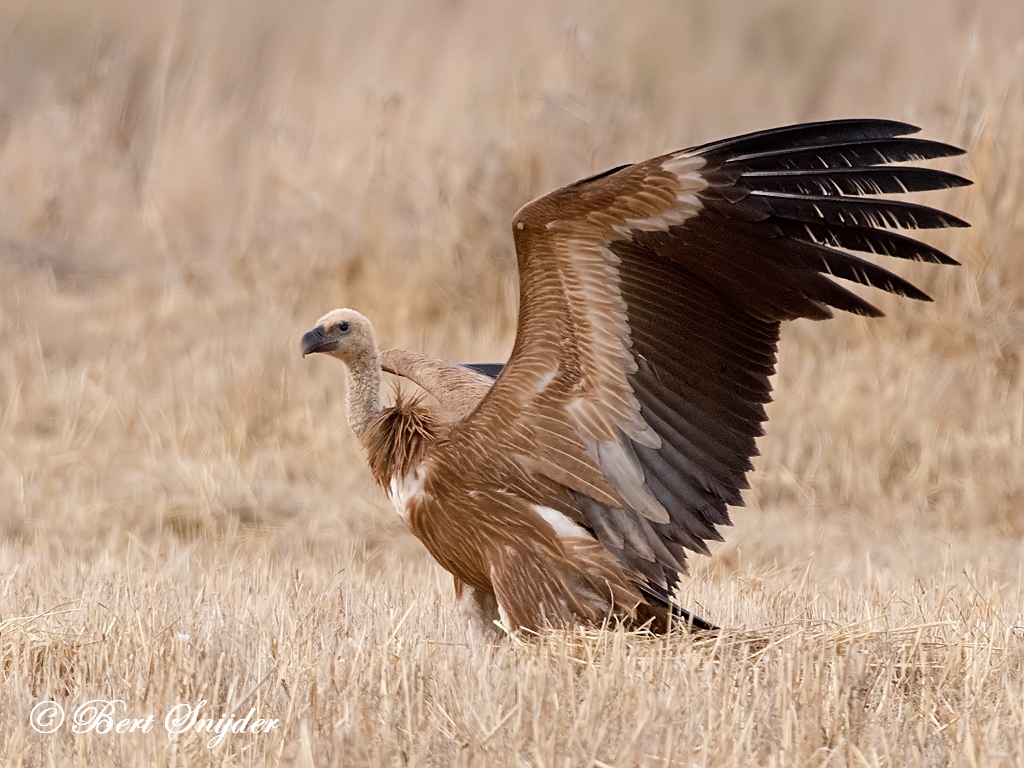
(185, 187)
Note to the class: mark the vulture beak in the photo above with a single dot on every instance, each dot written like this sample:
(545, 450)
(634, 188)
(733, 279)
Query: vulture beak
(313, 341)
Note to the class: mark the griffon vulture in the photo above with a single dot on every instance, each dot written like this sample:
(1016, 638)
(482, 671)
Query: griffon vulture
(569, 489)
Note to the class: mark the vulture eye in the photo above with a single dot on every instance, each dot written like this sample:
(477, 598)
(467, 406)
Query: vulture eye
(344, 326)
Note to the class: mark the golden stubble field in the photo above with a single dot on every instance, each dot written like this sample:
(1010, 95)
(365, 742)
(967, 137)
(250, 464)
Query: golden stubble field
(184, 516)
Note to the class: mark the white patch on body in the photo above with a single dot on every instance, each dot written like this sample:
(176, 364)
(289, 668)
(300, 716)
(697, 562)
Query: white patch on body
(407, 490)
(564, 527)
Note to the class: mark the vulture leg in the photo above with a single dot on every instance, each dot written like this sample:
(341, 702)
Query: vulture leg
(479, 609)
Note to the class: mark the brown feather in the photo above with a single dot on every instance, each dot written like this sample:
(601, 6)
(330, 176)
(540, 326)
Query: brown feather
(398, 437)
(457, 389)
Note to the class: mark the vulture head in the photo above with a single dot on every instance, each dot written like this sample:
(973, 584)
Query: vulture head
(341, 333)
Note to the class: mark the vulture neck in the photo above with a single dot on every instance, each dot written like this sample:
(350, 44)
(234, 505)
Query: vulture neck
(364, 382)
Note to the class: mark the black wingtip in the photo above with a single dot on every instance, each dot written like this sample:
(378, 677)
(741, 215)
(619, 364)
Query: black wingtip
(955, 221)
(811, 134)
(691, 621)
(678, 616)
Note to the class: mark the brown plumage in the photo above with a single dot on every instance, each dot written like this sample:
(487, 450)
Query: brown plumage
(458, 390)
(396, 440)
(622, 427)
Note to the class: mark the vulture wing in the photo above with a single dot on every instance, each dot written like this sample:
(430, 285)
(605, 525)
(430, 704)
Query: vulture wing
(651, 298)
(458, 389)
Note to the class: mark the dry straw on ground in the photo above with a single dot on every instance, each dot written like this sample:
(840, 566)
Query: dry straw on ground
(185, 187)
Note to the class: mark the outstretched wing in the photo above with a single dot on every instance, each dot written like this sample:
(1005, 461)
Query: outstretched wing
(651, 298)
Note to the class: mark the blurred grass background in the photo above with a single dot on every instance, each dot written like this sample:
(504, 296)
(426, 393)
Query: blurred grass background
(186, 187)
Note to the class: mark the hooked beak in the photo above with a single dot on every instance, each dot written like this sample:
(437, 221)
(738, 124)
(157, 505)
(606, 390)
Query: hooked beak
(313, 341)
